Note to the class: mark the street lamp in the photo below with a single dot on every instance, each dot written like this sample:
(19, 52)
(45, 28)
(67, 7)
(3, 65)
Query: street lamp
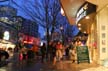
(61, 29)
(62, 12)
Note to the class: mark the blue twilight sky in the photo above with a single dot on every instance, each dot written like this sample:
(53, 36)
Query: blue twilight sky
(34, 10)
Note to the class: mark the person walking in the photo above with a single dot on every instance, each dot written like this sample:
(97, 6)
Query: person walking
(58, 53)
(72, 54)
(59, 48)
(43, 52)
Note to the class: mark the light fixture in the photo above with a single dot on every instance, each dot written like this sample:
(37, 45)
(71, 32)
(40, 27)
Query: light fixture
(79, 28)
(87, 17)
(61, 28)
(62, 11)
(79, 24)
(85, 32)
(85, 7)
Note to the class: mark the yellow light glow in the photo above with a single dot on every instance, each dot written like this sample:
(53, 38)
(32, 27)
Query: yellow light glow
(87, 17)
(79, 28)
(85, 32)
(79, 24)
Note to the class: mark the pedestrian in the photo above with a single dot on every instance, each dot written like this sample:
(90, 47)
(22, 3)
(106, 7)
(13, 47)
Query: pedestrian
(67, 52)
(72, 54)
(49, 51)
(54, 53)
(43, 52)
(35, 50)
(23, 53)
(59, 48)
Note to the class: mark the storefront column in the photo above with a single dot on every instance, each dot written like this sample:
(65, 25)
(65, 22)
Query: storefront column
(102, 35)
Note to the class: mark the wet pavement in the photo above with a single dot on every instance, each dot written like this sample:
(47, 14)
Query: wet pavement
(100, 68)
(36, 65)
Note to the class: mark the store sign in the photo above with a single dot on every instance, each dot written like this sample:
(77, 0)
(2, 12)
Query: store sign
(28, 39)
(86, 9)
(80, 14)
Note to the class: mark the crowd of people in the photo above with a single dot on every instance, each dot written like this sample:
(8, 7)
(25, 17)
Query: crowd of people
(53, 51)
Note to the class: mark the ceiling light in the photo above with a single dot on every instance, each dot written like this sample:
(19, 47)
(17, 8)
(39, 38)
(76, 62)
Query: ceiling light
(85, 7)
(87, 17)
(79, 24)
(79, 28)
(85, 32)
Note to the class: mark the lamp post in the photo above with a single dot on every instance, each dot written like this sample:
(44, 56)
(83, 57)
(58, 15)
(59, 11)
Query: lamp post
(62, 12)
(62, 29)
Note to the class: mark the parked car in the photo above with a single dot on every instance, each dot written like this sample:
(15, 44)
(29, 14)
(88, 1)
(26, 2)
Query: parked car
(3, 55)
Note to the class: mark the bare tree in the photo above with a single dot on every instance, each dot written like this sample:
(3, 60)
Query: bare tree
(55, 9)
(44, 12)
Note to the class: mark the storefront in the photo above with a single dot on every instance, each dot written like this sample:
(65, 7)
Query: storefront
(86, 22)
(102, 37)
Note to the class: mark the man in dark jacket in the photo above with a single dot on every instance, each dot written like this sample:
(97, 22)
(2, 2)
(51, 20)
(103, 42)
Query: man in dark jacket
(43, 51)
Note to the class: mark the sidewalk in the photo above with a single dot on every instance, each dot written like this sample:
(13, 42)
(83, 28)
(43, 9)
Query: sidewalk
(87, 67)
(65, 65)
(69, 66)
(100, 68)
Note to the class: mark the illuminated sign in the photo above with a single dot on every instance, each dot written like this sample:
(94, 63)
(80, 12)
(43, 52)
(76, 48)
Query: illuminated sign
(80, 14)
(86, 9)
